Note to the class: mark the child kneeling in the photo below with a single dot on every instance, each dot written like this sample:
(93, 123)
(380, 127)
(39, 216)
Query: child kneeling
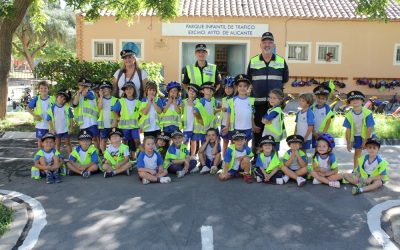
(150, 164)
(371, 172)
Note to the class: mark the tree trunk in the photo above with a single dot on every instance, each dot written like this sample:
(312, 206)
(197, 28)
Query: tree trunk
(7, 28)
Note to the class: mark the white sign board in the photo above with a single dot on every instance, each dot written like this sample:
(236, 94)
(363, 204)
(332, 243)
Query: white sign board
(214, 29)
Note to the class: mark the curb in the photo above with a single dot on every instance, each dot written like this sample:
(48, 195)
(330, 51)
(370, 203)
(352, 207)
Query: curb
(392, 217)
(20, 219)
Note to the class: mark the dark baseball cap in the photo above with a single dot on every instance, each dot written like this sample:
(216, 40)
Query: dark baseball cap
(201, 47)
(267, 35)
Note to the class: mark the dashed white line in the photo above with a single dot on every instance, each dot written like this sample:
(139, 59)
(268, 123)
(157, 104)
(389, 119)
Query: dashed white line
(207, 239)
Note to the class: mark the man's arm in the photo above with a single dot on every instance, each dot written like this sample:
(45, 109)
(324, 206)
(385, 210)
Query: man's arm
(285, 77)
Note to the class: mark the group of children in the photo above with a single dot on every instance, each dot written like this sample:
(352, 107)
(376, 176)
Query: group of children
(110, 141)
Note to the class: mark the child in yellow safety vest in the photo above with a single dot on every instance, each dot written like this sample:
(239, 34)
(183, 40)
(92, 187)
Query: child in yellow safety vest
(105, 103)
(187, 108)
(295, 161)
(237, 160)
(359, 124)
(205, 112)
(171, 118)
(224, 116)
(37, 107)
(126, 111)
(150, 110)
(85, 109)
(84, 159)
(116, 156)
(324, 115)
(48, 160)
(274, 118)
(371, 172)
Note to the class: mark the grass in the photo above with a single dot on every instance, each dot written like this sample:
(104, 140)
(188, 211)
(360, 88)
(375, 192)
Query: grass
(5, 218)
(17, 121)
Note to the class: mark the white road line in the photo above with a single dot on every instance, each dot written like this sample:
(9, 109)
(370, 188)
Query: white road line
(39, 218)
(207, 240)
(374, 223)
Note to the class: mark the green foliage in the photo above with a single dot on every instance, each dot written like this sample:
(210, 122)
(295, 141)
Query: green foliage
(374, 9)
(5, 7)
(54, 52)
(5, 218)
(153, 71)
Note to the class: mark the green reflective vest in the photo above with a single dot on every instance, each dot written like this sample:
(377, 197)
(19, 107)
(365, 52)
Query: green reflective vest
(231, 104)
(100, 121)
(35, 172)
(195, 75)
(274, 163)
(328, 116)
(181, 155)
(276, 128)
(38, 110)
(381, 169)
(232, 161)
(114, 160)
(144, 121)
(85, 108)
(349, 115)
(126, 120)
(88, 157)
(170, 118)
(209, 120)
(50, 112)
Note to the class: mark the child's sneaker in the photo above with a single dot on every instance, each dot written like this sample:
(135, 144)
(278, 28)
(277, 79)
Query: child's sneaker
(145, 181)
(361, 183)
(85, 174)
(300, 181)
(49, 178)
(279, 181)
(195, 170)
(108, 174)
(355, 191)
(315, 181)
(258, 179)
(285, 178)
(165, 179)
(180, 174)
(335, 184)
(205, 170)
(57, 177)
(248, 178)
(128, 172)
(213, 170)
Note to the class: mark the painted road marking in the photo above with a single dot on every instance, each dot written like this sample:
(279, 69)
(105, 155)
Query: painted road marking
(39, 218)
(207, 240)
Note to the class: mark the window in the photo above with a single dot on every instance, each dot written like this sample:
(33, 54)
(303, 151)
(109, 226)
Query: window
(103, 49)
(138, 42)
(396, 54)
(298, 52)
(329, 53)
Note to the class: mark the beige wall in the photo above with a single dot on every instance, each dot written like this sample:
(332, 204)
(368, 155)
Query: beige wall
(367, 47)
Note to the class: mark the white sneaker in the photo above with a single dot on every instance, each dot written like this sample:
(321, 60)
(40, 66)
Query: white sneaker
(220, 171)
(213, 170)
(285, 178)
(258, 179)
(335, 184)
(300, 181)
(165, 179)
(180, 174)
(145, 181)
(195, 170)
(128, 172)
(205, 170)
(316, 182)
(279, 181)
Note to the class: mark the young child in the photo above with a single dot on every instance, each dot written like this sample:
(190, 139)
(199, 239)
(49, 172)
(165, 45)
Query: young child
(241, 109)
(48, 160)
(150, 164)
(210, 153)
(371, 172)
(324, 166)
(171, 119)
(59, 118)
(188, 117)
(162, 144)
(295, 161)
(305, 120)
(116, 156)
(274, 118)
(237, 159)
(37, 107)
(126, 111)
(85, 108)
(268, 164)
(177, 160)
(323, 114)
(150, 110)
(359, 124)
(229, 91)
(84, 160)
(205, 113)
(105, 103)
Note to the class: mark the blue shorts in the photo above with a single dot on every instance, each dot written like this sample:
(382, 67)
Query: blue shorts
(235, 173)
(131, 134)
(357, 143)
(104, 132)
(41, 132)
(248, 132)
(170, 129)
(307, 145)
(94, 131)
(63, 135)
(277, 145)
(188, 136)
(227, 136)
(209, 163)
(199, 137)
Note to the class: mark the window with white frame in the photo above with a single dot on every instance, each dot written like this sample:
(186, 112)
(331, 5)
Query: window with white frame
(397, 54)
(298, 52)
(139, 43)
(329, 52)
(103, 49)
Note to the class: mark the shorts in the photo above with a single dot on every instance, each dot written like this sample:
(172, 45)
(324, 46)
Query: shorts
(236, 173)
(104, 132)
(307, 145)
(188, 136)
(227, 136)
(63, 135)
(41, 132)
(94, 131)
(199, 137)
(209, 163)
(258, 172)
(277, 145)
(247, 132)
(131, 134)
(357, 143)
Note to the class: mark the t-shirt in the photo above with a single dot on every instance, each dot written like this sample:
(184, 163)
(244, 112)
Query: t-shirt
(60, 114)
(357, 119)
(189, 118)
(135, 79)
(369, 167)
(239, 153)
(82, 153)
(153, 114)
(264, 164)
(320, 114)
(130, 104)
(107, 112)
(224, 114)
(176, 151)
(327, 162)
(45, 105)
(243, 113)
(149, 161)
(48, 156)
(304, 119)
(209, 151)
(114, 152)
(295, 163)
(208, 105)
(88, 121)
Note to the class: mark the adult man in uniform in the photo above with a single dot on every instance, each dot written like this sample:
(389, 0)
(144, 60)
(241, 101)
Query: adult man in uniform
(267, 71)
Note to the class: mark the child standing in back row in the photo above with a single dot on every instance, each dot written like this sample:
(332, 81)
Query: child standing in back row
(171, 118)
(187, 108)
(305, 120)
(229, 91)
(150, 110)
(323, 114)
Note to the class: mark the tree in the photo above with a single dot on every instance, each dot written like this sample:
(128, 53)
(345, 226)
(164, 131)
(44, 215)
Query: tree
(374, 9)
(12, 13)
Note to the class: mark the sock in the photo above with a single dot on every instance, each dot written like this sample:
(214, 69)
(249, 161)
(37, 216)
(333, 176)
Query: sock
(361, 190)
